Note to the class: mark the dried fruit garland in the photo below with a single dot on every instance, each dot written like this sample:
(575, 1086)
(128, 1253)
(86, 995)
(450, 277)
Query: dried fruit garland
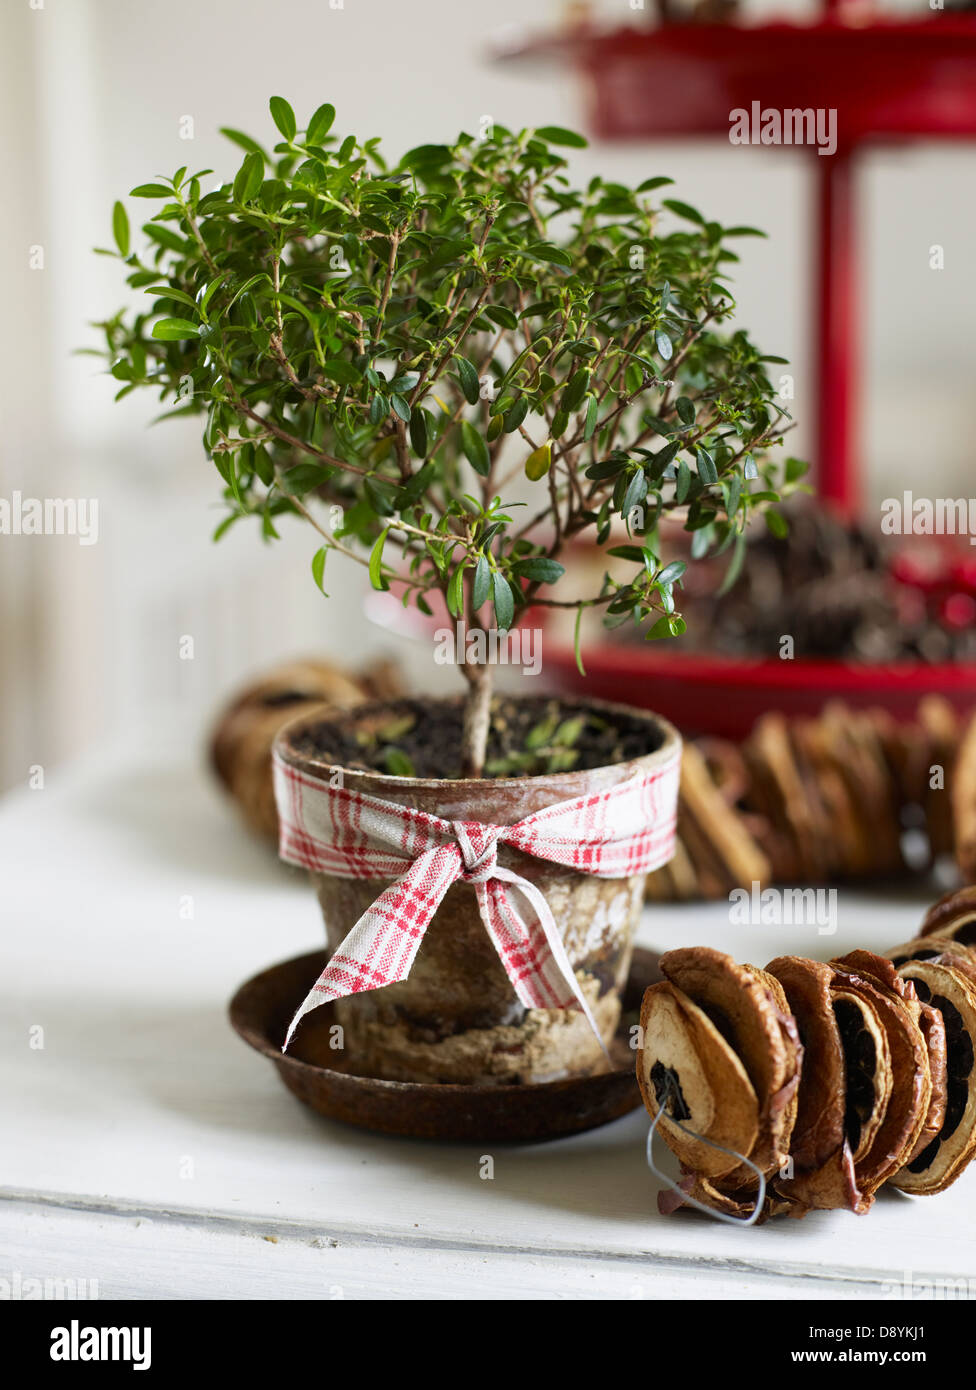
(829, 1078)
(824, 799)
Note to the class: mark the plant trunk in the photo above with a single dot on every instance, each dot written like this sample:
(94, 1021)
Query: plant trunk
(477, 720)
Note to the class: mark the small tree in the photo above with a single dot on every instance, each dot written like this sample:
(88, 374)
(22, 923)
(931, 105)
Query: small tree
(402, 345)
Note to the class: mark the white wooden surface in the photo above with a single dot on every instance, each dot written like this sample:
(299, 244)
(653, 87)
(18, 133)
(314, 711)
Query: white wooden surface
(147, 1148)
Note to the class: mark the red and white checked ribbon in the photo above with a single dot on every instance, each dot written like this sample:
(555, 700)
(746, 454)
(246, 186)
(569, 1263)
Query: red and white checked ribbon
(623, 831)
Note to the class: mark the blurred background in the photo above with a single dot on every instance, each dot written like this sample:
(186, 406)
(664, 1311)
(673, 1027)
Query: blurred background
(99, 95)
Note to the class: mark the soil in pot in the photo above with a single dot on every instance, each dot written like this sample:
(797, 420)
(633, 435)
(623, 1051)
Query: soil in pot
(526, 738)
(457, 1019)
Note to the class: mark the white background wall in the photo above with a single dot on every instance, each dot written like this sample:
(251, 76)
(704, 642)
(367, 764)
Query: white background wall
(92, 94)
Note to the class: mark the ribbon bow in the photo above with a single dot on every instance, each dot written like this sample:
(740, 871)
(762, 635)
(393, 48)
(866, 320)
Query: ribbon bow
(618, 833)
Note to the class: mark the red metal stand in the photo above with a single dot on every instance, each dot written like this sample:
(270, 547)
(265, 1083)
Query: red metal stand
(886, 79)
(836, 319)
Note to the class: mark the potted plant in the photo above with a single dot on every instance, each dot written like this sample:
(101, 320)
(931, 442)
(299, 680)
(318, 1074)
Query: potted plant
(450, 369)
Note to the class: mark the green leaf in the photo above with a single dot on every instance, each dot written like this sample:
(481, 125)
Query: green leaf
(744, 231)
(404, 381)
(661, 461)
(304, 477)
(263, 465)
(318, 567)
(682, 481)
(379, 408)
(627, 552)
(376, 576)
(225, 525)
(684, 210)
(538, 463)
(665, 428)
(455, 592)
(475, 449)
(558, 135)
(515, 415)
(283, 117)
(577, 388)
(342, 372)
(569, 731)
(504, 603)
(173, 330)
(606, 468)
(397, 763)
(249, 178)
(402, 406)
(468, 376)
(706, 467)
(120, 229)
(211, 290)
(418, 432)
(650, 184)
(540, 569)
(540, 735)
(239, 138)
(686, 410)
(501, 316)
(320, 124)
(151, 190)
(670, 572)
(635, 494)
(577, 651)
(268, 531)
(664, 345)
(778, 524)
(165, 236)
(667, 625)
(167, 292)
(542, 251)
(735, 565)
(481, 587)
(592, 414)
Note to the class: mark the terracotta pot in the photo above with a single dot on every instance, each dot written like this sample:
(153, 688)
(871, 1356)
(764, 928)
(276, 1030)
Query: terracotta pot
(457, 1018)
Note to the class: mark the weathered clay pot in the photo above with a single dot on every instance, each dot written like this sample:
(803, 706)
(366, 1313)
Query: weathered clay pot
(457, 1018)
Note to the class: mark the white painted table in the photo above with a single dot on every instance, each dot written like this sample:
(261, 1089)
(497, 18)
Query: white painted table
(145, 1147)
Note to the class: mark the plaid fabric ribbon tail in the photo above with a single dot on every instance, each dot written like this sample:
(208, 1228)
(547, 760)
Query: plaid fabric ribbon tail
(532, 952)
(381, 947)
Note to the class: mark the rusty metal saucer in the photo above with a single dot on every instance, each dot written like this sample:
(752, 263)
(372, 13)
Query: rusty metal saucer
(260, 1012)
